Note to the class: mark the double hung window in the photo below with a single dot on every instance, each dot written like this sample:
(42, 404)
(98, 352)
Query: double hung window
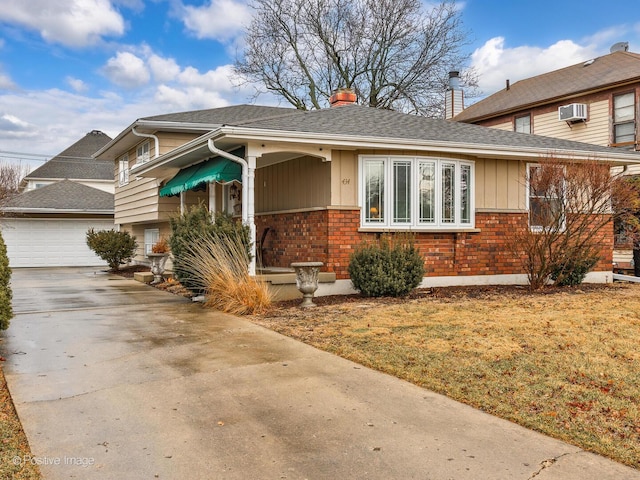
(624, 119)
(522, 124)
(151, 237)
(545, 192)
(123, 170)
(142, 153)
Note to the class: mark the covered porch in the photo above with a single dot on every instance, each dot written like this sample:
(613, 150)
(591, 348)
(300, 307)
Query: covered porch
(245, 180)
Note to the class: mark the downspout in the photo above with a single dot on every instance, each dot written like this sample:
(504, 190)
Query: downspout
(248, 197)
(148, 135)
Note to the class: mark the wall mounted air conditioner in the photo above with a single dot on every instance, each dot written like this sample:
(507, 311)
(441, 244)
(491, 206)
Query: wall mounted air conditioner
(572, 112)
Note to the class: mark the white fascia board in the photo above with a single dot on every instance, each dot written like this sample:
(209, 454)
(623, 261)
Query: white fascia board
(56, 210)
(243, 134)
(156, 125)
(118, 137)
(478, 150)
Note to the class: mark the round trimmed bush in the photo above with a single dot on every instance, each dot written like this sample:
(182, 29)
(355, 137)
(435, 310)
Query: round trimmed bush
(387, 268)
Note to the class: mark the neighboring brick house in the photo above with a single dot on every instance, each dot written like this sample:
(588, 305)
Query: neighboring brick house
(315, 184)
(596, 101)
(46, 224)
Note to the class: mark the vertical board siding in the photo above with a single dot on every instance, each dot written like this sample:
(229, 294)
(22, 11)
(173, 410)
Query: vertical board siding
(500, 185)
(299, 183)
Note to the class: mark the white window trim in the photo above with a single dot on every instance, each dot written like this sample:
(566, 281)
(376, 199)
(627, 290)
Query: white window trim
(123, 173)
(535, 228)
(415, 225)
(151, 237)
(143, 156)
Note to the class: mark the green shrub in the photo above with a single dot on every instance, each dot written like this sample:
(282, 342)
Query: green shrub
(571, 270)
(6, 311)
(193, 226)
(115, 248)
(390, 267)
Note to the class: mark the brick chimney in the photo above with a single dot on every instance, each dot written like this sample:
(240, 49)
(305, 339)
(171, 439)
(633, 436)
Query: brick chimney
(343, 96)
(454, 96)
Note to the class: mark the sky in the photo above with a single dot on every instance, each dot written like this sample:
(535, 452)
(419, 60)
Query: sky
(71, 66)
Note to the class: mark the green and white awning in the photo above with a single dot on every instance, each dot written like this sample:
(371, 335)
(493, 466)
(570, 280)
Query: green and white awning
(216, 169)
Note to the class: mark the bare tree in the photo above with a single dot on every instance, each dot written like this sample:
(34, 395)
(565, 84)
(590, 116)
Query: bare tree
(395, 54)
(572, 207)
(11, 174)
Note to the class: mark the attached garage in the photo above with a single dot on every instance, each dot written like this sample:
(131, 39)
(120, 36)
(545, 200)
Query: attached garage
(47, 227)
(50, 242)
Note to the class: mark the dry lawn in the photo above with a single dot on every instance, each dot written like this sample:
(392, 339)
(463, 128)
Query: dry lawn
(14, 448)
(565, 362)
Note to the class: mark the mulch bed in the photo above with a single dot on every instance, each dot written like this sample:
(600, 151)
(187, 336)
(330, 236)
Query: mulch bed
(128, 270)
(476, 291)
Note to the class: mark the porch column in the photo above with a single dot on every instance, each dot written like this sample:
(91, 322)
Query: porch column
(212, 200)
(181, 203)
(251, 210)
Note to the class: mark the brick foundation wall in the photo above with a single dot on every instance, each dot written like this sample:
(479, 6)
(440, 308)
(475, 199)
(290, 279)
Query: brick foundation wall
(292, 237)
(330, 236)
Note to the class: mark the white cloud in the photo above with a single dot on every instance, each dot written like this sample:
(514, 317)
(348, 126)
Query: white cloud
(127, 70)
(223, 78)
(5, 82)
(26, 119)
(495, 63)
(191, 98)
(10, 125)
(76, 23)
(76, 84)
(163, 69)
(221, 20)
(195, 90)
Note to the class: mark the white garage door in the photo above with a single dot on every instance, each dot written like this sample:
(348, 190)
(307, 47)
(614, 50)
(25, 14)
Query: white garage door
(50, 243)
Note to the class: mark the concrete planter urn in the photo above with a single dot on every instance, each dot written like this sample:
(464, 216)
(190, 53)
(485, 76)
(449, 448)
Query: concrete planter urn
(307, 280)
(158, 261)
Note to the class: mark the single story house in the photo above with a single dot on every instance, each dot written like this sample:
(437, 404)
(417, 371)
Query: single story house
(46, 224)
(312, 185)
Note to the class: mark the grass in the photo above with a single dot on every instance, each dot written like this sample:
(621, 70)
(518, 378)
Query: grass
(218, 264)
(13, 442)
(566, 363)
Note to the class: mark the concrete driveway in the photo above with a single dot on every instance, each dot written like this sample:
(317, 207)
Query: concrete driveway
(113, 379)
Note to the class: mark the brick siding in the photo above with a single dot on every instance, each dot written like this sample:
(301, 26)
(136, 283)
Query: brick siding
(330, 236)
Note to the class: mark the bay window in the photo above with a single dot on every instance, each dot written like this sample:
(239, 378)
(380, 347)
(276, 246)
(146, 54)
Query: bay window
(416, 192)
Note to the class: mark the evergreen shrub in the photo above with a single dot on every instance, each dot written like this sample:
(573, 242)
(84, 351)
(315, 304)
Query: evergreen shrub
(390, 267)
(196, 225)
(6, 310)
(115, 248)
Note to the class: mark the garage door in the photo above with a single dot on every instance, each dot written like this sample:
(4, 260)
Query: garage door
(50, 243)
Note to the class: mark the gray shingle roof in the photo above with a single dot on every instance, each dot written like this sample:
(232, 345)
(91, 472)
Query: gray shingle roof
(224, 115)
(76, 162)
(63, 195)
(363, 121)
(608, 70)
